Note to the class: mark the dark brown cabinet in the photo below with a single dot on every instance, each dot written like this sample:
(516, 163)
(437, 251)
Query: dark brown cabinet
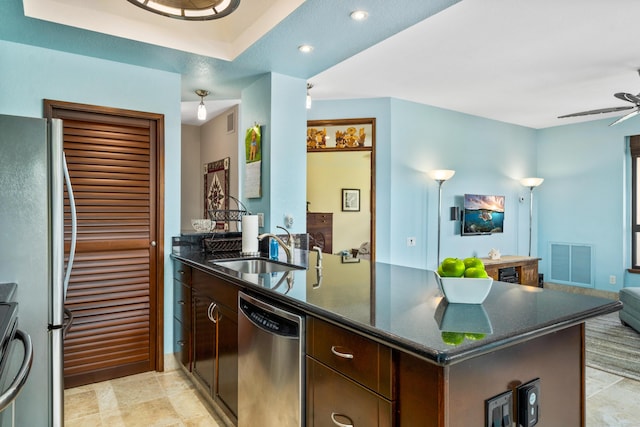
(320, 229)
(349, 378)
(205, 329)
(215, 339)
(204, 340)
(182, 338)
(526, 268)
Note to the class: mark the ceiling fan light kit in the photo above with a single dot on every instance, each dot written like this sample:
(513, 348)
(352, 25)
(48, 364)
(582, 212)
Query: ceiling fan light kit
(190, 10)
(634, 99)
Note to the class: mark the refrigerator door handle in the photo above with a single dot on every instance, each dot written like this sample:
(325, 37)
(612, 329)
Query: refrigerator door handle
(67, 323)
(74, 226)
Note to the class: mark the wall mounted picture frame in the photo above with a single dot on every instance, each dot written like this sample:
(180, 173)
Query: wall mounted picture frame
(350, 200)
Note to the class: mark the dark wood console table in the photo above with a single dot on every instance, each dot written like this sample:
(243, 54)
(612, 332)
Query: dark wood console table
(525, 266)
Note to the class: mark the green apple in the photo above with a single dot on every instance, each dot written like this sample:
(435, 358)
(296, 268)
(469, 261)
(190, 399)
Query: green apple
(452, 267)
(477, 273)
(473, 336)
(452, 338)
(473, 262)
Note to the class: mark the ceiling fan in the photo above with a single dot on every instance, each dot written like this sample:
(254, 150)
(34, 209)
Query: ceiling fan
(634, 99)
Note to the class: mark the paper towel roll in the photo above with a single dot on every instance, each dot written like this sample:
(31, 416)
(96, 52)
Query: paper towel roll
(250, 234)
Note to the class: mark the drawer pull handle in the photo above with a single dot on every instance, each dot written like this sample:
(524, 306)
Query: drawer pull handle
(181, 343)
(335, 351)
(212, 307)
(180, 271)
(181, 302)
(338, 423)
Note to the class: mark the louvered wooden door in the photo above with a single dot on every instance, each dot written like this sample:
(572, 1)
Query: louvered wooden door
(113, 289)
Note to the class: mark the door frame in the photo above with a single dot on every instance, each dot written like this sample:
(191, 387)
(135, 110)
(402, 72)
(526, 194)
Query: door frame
(56, 109)
(372, 169)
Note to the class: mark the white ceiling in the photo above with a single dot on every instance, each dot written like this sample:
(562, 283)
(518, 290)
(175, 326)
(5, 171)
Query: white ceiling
(518, 61)
(224, 38)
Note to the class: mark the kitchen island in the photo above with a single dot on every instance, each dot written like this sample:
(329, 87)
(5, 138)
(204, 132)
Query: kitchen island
(415, 360)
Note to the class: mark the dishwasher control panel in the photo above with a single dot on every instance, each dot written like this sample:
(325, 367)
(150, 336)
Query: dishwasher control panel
(269, 321)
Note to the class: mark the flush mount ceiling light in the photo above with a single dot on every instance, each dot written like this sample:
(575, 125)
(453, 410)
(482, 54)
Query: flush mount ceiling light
(190, 10)
(359, 15)
(202, 109)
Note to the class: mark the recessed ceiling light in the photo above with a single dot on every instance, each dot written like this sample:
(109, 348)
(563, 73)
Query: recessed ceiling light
(305, 48)
(359, 15)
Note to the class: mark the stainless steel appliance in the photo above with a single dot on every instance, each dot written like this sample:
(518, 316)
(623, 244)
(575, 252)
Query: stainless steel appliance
(32, 175)
(270, 365)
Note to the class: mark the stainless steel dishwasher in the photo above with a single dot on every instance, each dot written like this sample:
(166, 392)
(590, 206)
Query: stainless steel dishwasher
(270, 365)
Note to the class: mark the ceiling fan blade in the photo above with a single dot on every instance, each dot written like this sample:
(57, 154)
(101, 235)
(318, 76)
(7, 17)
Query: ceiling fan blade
(600, 111)
(625, 117)
(627, 97)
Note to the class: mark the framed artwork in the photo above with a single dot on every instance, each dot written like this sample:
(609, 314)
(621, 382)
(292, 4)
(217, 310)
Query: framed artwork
(350, 200)
(341, 134)
(216, 188)
(253, 159)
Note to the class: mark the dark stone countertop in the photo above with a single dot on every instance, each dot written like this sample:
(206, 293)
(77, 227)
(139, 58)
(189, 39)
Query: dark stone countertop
(404, 308)
(8, 292)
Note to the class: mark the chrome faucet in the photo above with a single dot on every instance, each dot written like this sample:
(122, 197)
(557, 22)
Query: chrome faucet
(288, 247)
(319, 259)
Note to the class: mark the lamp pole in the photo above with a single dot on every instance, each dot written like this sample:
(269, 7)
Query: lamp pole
(531, 183)
(530, 215)
(440, 181)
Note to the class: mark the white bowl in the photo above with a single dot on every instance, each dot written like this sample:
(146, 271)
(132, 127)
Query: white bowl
(201, 225)
(464, 318)
(464, 290)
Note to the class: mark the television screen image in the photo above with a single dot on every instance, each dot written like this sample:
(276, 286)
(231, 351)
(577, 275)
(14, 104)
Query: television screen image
(482, 214)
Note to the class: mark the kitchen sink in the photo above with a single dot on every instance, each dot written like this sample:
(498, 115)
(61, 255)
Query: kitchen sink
(255, 265)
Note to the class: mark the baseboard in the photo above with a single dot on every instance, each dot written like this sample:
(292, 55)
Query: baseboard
(582, 291)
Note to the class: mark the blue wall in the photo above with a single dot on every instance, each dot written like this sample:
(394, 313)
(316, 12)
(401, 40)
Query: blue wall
(276, 103)
(31, 74)
(585, 198)
(411, 139)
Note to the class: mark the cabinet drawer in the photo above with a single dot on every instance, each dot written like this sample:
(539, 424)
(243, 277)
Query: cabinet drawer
(181, 272)
(217, 289)
(333, 398)
(182, 302)
(361, 359)
(182, 343)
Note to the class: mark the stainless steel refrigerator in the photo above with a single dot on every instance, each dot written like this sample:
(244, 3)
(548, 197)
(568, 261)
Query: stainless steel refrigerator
(32, 173)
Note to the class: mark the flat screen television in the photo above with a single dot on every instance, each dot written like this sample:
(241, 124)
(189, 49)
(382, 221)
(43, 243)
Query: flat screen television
(482, 214)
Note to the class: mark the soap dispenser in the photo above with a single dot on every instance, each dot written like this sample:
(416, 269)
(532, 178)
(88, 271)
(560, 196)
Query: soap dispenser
(273, 249)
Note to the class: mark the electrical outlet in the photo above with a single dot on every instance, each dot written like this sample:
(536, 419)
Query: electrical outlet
(612, 280)
(411, 241)
(528, 403)
(260, 219)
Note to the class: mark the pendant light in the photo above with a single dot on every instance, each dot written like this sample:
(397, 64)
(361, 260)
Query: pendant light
(202, 109)
(309, 86)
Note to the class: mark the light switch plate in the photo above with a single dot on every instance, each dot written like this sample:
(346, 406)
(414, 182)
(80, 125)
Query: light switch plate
(498, 408)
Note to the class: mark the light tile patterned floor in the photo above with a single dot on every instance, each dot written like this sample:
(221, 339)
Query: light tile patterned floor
(144, 400)
(612, 401)
(169, 399)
